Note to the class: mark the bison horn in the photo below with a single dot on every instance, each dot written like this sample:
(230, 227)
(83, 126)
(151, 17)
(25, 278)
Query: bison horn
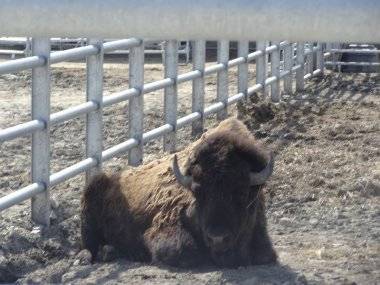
(184, 180)
(258, 178)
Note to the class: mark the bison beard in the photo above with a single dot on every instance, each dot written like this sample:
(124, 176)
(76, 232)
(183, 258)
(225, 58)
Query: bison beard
(212, 213)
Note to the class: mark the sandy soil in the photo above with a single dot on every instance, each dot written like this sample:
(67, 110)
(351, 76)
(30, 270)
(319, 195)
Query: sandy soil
(322, 199)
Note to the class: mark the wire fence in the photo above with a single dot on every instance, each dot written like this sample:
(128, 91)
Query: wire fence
(287, 61)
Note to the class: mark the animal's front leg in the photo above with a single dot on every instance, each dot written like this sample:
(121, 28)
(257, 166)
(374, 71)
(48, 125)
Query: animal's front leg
(174, 246)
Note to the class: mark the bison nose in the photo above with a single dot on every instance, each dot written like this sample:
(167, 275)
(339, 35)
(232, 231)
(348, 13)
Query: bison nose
(219, 239)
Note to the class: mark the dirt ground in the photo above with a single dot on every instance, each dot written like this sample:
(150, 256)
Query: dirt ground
(323, 199)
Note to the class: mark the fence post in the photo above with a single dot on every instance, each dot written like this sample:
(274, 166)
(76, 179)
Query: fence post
(288, 64)
(41, 139)
(136, 104)
(275, 71)
(28, 47)
(300, 81)
(170, 100)
(261, 66)
(336, 57)
(309, 59)
(187, 50)
(94, 120)
(320, 59)
(243, 49)
(222, 79)
(199, 58)
(331, 57)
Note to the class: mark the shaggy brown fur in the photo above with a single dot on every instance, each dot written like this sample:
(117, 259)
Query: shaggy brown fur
(146, 215)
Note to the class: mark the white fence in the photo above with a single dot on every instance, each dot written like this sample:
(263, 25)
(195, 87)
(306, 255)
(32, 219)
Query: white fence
(42, 120)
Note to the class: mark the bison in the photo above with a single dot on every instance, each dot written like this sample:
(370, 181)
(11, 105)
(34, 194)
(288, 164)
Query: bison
(211, 212)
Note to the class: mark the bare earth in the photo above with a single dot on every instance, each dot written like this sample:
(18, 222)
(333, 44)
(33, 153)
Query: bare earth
(323, 199)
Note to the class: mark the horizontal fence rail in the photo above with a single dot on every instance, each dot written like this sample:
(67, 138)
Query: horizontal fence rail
(352, 63)
(360, 51)
(22, 46)
(287, 61)
(319, 20)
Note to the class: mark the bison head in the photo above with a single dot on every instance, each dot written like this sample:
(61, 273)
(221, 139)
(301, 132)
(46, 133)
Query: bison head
(224, 175)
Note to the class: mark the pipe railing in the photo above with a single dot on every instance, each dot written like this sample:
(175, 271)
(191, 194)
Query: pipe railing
(42, 121)
(318, 20)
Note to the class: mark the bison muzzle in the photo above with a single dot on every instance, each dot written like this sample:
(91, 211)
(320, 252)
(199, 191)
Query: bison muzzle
(211, 212)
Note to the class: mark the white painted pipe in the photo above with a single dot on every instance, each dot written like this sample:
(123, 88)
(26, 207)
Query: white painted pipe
(296, 20)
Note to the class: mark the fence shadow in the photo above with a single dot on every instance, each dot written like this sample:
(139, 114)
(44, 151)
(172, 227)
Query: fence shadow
(287, 121)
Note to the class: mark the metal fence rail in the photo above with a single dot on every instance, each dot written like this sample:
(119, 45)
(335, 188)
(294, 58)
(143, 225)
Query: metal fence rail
(42, 120)
(11, 46)
(352, 63)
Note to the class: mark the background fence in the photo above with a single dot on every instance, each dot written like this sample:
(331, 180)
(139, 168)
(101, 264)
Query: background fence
(14, 46)
(354, 57)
